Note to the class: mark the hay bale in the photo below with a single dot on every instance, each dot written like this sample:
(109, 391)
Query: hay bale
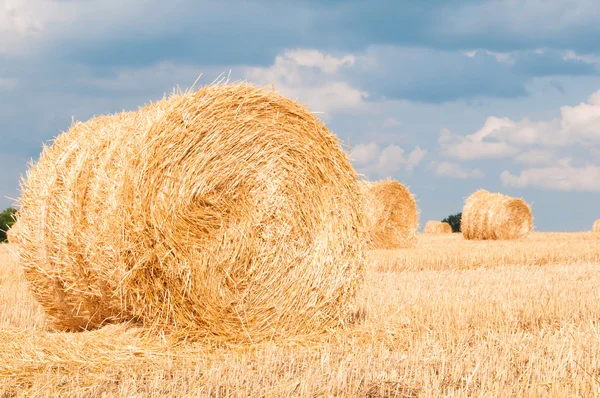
(230, 212)
(495, 216)
(596, 227)
(391, 215)
(437, 227)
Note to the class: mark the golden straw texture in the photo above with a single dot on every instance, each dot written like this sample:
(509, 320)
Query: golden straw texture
(230, 212)
(596, 227)
(437, 227)
(495, 216)
(392, 216)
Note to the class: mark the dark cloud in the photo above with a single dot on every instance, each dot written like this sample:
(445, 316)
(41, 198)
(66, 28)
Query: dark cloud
(432, 76)
(551, 63)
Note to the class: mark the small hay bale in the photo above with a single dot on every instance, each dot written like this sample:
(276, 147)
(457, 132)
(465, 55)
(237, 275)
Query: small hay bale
(495, 216)
(437, 227)
(596, 227)
(392, 217)
(230, 212)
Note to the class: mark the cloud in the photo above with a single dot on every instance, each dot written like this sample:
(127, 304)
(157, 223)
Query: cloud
(363, 154)
(8, 83)
(502, 137)
(311, 77)
(477, 145)
(390, 122)
(455, 170)
(428, 75)
(560, 177)
(551, 63)
(536, 157)
(370, 159)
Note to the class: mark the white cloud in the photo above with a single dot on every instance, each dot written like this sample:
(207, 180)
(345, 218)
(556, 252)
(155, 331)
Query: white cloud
(16, 24)
(391, 122)
(588, 58)
(314, 58)
(578, 125)
(370, 159)
(476, 146)
(535, 157)
(455, 170)
(8, 83)
(363, 154)
(561, 177)
(500, 57)
(311, 77)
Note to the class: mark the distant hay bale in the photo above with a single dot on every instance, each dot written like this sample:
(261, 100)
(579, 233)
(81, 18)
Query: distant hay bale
(596, 227)
(392, 217)
(229, 212)
(495, 216)
(437, 227)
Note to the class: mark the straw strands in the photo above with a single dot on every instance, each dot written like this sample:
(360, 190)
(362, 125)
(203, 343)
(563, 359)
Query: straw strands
(437, 227)
(230, 212)
(495, 216)
(392, 216)
(596, 227)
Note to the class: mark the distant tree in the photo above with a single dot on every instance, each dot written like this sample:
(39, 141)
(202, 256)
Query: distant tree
(7, 219)
(454, 221)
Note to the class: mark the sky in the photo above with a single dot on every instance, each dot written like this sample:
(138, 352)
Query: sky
(446, 97)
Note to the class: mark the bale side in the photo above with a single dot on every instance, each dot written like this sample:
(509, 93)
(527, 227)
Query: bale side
(495, 216)
(392, 217)
(437, 227)
(596, 226)
(230, 212)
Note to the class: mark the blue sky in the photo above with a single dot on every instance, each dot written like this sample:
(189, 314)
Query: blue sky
(445, 96)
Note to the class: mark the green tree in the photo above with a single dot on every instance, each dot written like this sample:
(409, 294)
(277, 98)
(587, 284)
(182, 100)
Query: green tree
(7, 219)
(454, 221)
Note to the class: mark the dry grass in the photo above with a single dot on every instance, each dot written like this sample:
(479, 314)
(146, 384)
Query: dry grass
(495, 216)
(524, 323)
(230, 212)
(437, 227)
(452, 251)
(391, 214)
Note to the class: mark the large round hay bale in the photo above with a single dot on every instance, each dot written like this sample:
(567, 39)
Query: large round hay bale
(596, 226)
(437, 227)
(495, 216)
(229, 212)
(392, 217)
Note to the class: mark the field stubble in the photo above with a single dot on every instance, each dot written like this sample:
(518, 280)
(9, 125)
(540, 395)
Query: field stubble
(446, 318)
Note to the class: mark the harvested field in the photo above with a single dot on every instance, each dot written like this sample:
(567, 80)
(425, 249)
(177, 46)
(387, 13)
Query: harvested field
(452, 251)
(449, 317)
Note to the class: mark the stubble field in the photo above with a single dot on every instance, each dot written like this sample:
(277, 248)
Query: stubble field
(446, 318)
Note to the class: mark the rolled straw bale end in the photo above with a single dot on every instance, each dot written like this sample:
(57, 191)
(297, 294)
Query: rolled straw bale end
(437, 227)
(495, 216)
(391, 215)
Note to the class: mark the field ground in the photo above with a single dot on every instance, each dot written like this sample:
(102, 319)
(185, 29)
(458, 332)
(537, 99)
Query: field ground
(447, 318)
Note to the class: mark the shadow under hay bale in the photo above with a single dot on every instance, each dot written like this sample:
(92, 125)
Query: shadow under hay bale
(228, 212)
(391, 213)
(495, 216)
(437, 227)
